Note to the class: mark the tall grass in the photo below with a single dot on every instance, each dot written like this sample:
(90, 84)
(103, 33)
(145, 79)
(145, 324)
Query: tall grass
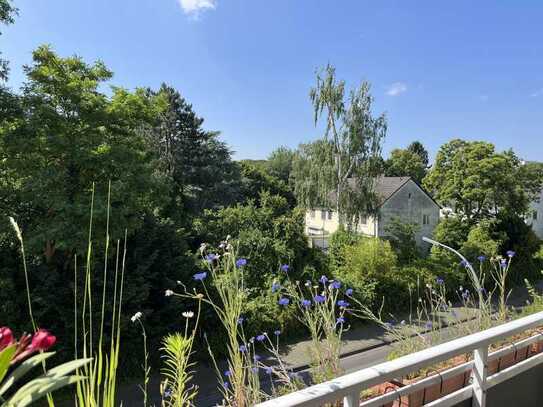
(99, 386)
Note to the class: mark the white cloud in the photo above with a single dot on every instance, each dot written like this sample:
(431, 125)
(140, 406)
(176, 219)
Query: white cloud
(194, 7)
(396, 89)
(537, 93)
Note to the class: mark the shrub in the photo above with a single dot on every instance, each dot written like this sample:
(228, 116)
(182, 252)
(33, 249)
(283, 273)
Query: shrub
(402, 239)
(367, 265)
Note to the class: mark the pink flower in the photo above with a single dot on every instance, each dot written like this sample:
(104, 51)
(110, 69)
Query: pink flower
(42, 340)
(6, 337)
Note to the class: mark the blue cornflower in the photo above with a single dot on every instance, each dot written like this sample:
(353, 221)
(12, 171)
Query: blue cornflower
(243, 348)
(256, 358)
(277, 332)
(440, 281)
(260, 337)
(481, 258)
(228, 373)
(465, 294)
(343, 303)
(285, 268)
(269, 370)
(319, 298)
(275, 286)
(241, 262)
(200, 276)
(464, 263)
(503, 263)
(349, 291)
(306, 303)
(226, 385)
(323, 279)
(335, 284)
(211, 257)
(241, 320)
(510, 253)
(428, 325)
(283, 301)
(340, 320)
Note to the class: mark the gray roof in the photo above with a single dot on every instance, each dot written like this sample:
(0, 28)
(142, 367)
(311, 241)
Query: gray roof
(385, 187)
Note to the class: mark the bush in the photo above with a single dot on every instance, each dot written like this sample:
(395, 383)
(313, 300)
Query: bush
(482, 240)
(402, 239)
(367, 266)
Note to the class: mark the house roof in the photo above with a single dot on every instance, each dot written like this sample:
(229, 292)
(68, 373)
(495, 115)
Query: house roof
(385, 187)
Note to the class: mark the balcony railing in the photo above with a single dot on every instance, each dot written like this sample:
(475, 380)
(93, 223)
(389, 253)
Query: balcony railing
(347, 388)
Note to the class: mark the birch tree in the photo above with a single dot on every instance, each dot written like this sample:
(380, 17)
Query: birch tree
(340, 170)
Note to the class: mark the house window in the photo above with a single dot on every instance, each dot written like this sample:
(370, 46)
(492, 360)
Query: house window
(534, 215)
(312, 213)
(329, 215)
(364, 220)
(323, 215)
(425, 219)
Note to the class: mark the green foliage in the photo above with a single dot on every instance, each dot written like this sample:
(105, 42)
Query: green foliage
(255, 180)
(416, 147)
(482, 240)
(35, 389)
(67, 136)
(7, 14)
(405, 163)
(402, 238)
(194, 163)
(337, 243)
(269, 234)
(343, 162)
(481, 183)
(279, 163)
(366, 266)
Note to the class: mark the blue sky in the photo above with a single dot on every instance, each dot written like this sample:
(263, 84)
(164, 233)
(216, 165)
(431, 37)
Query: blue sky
(439, 70)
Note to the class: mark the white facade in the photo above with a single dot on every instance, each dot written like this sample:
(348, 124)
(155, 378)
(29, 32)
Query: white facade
(535, 217)
(409, 203)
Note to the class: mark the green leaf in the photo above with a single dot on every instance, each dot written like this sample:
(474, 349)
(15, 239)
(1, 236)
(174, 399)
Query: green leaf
(67, 367)
(5, 358)
(22, 369)
(38, 388)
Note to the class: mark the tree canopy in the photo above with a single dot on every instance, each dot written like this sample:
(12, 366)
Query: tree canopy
(343, 162)
(479, 182)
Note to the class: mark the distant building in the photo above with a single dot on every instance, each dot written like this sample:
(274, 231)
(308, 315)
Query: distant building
(535, 216)
(399, 197)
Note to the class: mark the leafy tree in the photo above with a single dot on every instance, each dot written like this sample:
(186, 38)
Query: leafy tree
(268, 234)
(280, 163)
(483, 240)
(66, 137)
(405, 163)
(255, 180)
(337, 244)
(416, 147)
(194, 162)
(402, 238)
(7, 13)
(480, 182)
(343, 162)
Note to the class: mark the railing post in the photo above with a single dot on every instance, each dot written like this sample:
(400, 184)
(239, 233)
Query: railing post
(479, 373)
(352, 400)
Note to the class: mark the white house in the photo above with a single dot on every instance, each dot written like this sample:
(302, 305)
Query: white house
(399, 197)
(535, 217)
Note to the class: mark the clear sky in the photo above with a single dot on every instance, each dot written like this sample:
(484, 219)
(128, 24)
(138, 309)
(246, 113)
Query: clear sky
(439, 69)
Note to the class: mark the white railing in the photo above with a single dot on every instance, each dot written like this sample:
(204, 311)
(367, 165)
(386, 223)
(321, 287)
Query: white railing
(348, 387)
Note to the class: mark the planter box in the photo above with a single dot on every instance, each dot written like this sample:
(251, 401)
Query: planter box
(435, 391)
